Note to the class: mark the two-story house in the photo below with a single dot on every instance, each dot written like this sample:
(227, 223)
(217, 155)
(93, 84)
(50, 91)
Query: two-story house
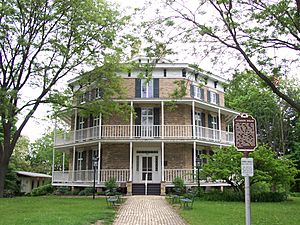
(159, 142)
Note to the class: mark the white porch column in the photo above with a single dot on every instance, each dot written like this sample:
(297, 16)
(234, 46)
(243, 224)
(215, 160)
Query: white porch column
(195, 156)
(99, 160)
(162, 161)
(130, 161)
(73, 165)
(100, 125)
(220, 121)
(162, 121)
(75, 125)
(63, 163)
(131, 119)
(193, 118)
(53, 158)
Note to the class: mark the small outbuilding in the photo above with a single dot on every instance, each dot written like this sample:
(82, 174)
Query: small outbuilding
(30, 180)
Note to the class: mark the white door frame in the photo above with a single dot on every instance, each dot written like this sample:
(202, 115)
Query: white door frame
(138, 154)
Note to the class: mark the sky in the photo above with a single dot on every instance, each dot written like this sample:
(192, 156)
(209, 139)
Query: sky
(40, 123)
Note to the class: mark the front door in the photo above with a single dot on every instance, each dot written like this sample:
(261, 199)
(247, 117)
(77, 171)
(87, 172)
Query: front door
(146, 167)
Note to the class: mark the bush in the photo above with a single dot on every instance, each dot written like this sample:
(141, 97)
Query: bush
(111, 185)
(179, 186)
(42, 190)
(231, 196)
(62, 191)
(295, 194)
(87, 191)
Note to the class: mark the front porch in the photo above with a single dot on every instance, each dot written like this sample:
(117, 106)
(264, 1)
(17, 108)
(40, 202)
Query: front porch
(133, 163)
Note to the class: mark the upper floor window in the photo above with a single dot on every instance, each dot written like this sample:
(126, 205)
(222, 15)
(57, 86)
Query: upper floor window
(146, 89)
(184, 72)
(198, 93)
(165, 72)
(213, 97)
(98, 93)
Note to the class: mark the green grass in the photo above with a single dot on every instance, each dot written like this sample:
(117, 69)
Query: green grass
(233, 213)
(54, 210)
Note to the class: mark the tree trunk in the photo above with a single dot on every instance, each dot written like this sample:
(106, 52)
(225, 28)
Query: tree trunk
(3, 170)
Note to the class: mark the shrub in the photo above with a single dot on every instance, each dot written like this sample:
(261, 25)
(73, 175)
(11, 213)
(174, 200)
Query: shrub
(111, 185)
(295, 194)
(87, 191)
(231, 196)
(62, 191)
(42, 190)
(179, 186)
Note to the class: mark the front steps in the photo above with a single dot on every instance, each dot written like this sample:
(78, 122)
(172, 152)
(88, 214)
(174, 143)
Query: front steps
(152, 189)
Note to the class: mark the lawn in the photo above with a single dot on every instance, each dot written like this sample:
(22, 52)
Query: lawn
(233, 213)
(54, 210)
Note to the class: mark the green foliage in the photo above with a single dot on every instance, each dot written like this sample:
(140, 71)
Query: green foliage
(111, 185)
(179, 186)
(11, 183)
(86, 191)
(62, 191)
(278, 173)
(232, 196)
(42, 190)
(20, 156)
(41, 155)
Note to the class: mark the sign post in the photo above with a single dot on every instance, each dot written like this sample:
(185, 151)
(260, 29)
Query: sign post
(245, 139)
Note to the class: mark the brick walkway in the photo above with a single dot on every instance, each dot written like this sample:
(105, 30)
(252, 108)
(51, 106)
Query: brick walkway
(147, 210)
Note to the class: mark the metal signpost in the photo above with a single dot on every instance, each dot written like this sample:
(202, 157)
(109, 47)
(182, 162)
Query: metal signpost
(245, 139)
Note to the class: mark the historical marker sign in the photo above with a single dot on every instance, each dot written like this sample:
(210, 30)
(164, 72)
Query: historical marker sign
(245, 132)
(247, 167)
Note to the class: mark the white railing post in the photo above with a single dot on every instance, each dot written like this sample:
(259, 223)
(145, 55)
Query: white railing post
(193, 118)
(130, 161)
(162, 120)
(194, 152)
(100, 125)
(131, 119)
(73, 165)
(99, 161)
(162, 161)
(75, 126)
(219, 115)
(146, 184)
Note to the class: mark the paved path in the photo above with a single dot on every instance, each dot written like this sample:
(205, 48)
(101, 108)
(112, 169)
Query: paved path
(147, 210)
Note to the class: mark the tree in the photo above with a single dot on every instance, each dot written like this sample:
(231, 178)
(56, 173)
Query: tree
(225, 165)
(41, 155)
(275, 118)
(248, 31)
(20, 156)
(41, 43)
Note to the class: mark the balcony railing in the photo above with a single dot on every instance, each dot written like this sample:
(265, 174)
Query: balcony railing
(87, 176)
(144, 132)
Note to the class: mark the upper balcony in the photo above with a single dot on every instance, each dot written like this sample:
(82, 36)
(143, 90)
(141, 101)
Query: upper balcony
(144, 132)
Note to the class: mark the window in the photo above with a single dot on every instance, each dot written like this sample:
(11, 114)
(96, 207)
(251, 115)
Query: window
(184, 72)
(165, 72)
(199, 129)
(97, 93)
(199, 93)
(201, 153)
(79, 160)
(214, 122)
(147, 119)
(216, 84)
(129, 73)
(81, 98)
(96, 121)
(146, 88)
(213, 97)
(80, 123)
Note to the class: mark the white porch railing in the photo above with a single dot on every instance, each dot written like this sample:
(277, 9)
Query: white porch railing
(87, 176)
(144, 132)
(121, 175)
(187, 175)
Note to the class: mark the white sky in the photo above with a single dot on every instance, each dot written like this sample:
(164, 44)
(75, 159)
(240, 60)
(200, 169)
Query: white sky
(40, 124)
